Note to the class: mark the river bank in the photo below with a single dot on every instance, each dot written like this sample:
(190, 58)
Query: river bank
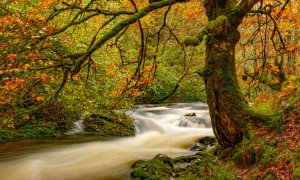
(104, 124)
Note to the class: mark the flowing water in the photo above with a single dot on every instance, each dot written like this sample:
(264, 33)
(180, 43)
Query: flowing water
(163, 130)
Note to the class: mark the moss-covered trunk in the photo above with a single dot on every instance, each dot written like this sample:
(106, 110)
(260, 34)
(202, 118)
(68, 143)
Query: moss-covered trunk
(226, 103)
(229, 111)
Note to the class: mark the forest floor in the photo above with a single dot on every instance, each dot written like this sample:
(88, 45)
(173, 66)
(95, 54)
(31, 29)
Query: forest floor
(273, 151)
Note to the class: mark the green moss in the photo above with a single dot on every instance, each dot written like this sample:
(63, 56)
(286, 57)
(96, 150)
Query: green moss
(109, 123)
(41, 130)
(250, 133)
(159, 167)
(296, 173)
(232, 11)
(183, 159)
(237, 156)
(249, 151)
(214, 27)
(191, 41)
(269, 176)
(263, 108)
(269, 156)
(202, 165)
(7, 135)
(205, 72)
(277, 123)
(35, 129)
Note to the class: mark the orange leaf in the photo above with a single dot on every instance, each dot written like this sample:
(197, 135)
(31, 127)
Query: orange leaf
(11, 57)
(40, 98)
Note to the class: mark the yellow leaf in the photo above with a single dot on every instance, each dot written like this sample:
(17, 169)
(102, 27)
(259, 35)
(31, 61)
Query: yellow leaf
(26, 66)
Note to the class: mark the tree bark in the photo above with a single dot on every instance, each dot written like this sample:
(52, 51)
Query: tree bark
(229, 111)
(225, 100)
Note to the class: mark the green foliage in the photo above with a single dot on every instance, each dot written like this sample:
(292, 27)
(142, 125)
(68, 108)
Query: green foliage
(41, 130)
(263, 108)
(296, 173)
(191, 89)
(249, 153)
(48, 121)
(7, 122)
(8, 135)
(277, 123)
(35, 129)
(269, 155)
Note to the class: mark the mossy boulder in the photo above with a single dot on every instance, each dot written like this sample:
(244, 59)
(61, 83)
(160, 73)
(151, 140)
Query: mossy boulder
(160, 167)
(203, 165)
(109, 123)
(190, 114)
(202, 144)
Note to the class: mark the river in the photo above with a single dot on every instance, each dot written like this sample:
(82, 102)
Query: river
(158, 130)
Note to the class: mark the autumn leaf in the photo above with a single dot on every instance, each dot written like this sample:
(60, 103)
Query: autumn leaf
(26, 66)
(40, 98)
(43, 77)
(11, 57)
(75, 77)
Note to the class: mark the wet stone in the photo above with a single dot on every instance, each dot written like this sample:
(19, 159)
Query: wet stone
(203, 144)
(190, 114)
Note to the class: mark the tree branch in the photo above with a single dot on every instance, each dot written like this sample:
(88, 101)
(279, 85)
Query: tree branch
(119, 27)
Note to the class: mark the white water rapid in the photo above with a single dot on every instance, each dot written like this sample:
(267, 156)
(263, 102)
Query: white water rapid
(158, 131)
(78, 127)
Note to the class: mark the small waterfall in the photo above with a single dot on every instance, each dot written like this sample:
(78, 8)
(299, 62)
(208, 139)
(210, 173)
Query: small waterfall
(144, 124)
(183, 122)
(201, 121)
(78, 127)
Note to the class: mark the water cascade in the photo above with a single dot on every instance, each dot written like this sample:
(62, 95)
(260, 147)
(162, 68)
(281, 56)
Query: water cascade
(78, 127)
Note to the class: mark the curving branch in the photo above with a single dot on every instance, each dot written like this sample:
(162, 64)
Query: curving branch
(119, 27)
(215, 27)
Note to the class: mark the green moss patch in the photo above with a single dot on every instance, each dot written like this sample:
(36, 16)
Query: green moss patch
(109, 123)
(203, 165)
(33, 130)
(159, 167)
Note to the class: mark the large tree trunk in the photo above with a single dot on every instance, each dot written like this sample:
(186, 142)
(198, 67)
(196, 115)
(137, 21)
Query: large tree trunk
(226, 103)
(229, 111)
